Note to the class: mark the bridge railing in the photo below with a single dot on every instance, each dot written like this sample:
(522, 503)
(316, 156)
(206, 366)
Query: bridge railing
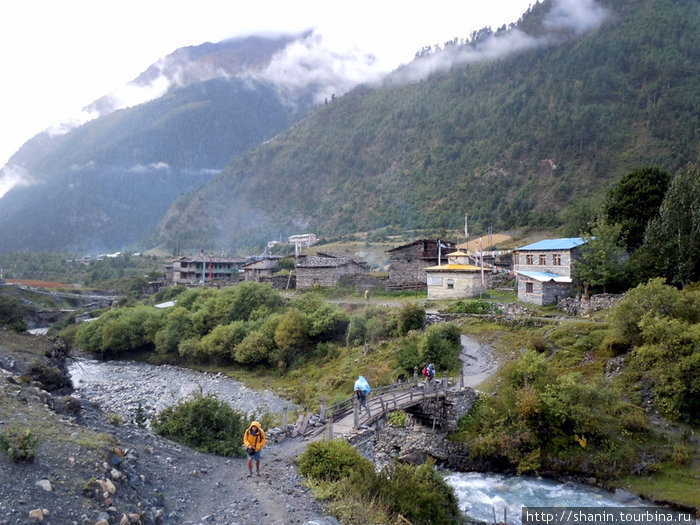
(345, 407)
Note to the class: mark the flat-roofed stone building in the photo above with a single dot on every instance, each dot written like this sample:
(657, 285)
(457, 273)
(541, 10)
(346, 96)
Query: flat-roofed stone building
(544, 269)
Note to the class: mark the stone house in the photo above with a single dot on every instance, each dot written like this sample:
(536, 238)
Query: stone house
(455, 280)
(407, 263)
(203, 270)
(325, 270)
(543, 269)
(265, 267)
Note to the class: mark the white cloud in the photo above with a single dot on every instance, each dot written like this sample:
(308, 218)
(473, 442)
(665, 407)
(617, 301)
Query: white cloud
(578, 15)
(11, 176)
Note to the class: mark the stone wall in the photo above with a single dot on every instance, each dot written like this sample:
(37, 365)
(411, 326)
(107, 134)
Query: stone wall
(364, 281)
(584, 307)
(325, 277)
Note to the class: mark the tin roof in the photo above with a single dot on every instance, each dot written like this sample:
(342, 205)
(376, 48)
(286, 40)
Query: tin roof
(544, 277)
(566, 243)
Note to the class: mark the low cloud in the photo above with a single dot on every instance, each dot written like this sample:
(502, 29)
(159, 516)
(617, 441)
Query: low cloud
(308, 62)
(154, 166)
(12, 175)
(577, 15)
(573, 15)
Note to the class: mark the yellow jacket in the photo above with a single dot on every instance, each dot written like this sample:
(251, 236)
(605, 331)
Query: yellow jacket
(255, 441)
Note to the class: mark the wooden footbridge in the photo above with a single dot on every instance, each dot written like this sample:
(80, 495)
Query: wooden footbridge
(435, 403)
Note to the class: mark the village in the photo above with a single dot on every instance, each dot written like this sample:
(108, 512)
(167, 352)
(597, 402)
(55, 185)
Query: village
(542, 270)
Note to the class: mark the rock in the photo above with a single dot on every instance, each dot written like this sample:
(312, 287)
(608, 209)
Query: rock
(37, 514)
(124, 520)
(44, 484)
(134, 518)
(115, 474)
(110, 486)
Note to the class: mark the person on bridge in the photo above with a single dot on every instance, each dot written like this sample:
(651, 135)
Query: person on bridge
(361, 390)
(254, 439)
(429, 372)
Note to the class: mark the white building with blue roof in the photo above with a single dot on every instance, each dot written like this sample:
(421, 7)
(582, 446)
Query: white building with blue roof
(544, 269)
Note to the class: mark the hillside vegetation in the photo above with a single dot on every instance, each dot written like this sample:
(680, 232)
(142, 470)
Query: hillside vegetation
(511, 141)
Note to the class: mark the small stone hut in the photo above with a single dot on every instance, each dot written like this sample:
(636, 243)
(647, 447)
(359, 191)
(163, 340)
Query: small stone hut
(325, 270)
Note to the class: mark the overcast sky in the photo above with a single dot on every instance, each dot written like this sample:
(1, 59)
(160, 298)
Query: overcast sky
(58, 56)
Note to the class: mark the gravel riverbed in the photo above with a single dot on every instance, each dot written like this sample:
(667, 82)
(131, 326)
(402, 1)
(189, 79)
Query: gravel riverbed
(120, 386)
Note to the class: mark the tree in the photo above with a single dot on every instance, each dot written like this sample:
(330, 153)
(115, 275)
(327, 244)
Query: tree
(634, 201)
(672, 240)
(603, 261)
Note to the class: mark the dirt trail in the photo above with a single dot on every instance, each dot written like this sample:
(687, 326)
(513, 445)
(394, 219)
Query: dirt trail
(478, 361)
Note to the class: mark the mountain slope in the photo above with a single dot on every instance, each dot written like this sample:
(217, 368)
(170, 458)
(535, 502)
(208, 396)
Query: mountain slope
(511, 141)
(105, 184)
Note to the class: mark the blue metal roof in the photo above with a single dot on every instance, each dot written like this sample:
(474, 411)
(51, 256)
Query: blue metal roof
(544, 276)
(555, 244)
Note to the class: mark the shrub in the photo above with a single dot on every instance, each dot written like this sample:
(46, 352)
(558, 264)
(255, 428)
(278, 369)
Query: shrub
(418, 493)
(19, 444)
(408, 355)
(441, 345)
(472, 306)
(332, 461)
(204, 423)
(410, 317)
(254, 349)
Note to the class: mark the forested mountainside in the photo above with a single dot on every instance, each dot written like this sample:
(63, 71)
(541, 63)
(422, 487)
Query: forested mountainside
(511, 139)
(106, 184)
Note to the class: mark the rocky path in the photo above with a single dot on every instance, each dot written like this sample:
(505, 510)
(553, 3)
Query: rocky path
(192, 487)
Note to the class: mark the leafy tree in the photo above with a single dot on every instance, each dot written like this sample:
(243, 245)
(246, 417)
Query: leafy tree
(603, 261)
(672, 241)
(634, 201)
(177, 327)
(653, 299)
(241, 301)
(254, 349)
(290, 333)
(218, 345)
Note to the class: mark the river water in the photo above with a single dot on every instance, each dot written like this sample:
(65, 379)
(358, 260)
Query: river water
(483, 495)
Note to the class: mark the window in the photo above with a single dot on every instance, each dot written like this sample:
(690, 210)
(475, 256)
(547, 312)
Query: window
(556, 259)
(530, 259)
(450, 284)
(529, 288)
(543, 259)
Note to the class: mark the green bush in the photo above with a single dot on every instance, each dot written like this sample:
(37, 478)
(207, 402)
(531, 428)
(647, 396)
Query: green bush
(472, 306)
(408, 354)
(418, 493)
(410, 317)
(332, 461)
(441, 345)
(19, 444)
(204, 423)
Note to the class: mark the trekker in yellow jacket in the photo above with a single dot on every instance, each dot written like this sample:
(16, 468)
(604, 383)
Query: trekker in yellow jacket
(253, 440)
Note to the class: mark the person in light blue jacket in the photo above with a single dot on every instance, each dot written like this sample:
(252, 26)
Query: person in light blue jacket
(362, 391)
